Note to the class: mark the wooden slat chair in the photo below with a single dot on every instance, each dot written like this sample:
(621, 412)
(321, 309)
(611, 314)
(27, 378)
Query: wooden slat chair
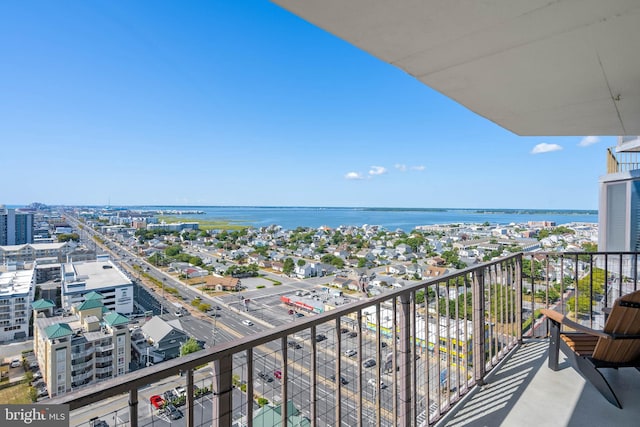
(589, 350)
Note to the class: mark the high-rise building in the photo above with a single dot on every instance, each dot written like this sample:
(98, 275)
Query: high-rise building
(16, 228)
(17, 289)
(88, 345)
(619, 210)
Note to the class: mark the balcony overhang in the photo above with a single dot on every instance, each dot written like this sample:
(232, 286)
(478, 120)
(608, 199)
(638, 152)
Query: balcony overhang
(531, 66)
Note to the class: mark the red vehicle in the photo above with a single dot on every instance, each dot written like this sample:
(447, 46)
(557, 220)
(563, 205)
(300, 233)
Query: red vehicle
(277, 374)
(157, 401)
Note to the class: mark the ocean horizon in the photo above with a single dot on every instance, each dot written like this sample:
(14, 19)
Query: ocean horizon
(390, 218)
(406, 219)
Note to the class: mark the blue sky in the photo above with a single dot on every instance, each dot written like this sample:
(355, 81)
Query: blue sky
(242, 103)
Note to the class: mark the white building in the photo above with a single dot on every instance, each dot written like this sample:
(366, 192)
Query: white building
(619, 211)
(102, 275)
(16, 295)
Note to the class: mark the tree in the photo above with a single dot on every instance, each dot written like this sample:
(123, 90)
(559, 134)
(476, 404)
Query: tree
(190, 346)
(70, 236)
(173, 250)
(362, 262)
(301, 262)
(288, 266)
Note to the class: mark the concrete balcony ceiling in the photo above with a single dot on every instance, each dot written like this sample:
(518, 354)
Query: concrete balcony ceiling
(534, 67)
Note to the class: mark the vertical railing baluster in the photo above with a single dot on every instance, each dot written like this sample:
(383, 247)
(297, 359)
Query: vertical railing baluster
(222, 392)
(427, 362)
(414, 336)
(284, 414)
(394, 359)
(405, 362)
(338, 409)
(189, 398)
(250, 378)
(133, 407)
(606, 275)
(378, 367)
(359, 378)
(478, 327)
(314, 377)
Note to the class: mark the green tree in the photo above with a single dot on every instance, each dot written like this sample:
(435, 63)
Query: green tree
(69, 236)
(190, 346)
(288, 266)
(173, 250)
(362, 262)
(301, 262)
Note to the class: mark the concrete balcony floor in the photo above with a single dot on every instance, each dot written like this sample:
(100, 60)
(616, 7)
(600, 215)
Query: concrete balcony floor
(525, 392)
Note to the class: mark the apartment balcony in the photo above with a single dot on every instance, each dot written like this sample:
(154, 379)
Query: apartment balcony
(81, 356)
(464, 349)
(104, 348)
(622, 161)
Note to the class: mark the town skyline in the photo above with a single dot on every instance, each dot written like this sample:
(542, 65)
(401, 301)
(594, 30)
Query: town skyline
(229, 105)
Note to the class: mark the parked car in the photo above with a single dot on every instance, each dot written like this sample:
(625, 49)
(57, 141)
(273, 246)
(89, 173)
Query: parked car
(294, 345)
(320, 337)
(353, 334)
(369, 363)
(157, 401)
(278, 374)
(299, 314)
(180, 391)
(15, 363)
(343, 380)
(344, 330)
(173, 412)
(351, 352)
(372, 383)
(97, 422)
(42, 392)
(265, 376)
(169, 395)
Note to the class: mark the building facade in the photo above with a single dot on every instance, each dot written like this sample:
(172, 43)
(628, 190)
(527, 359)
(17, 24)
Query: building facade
(32, 251)
(101, 275)
(16, 295)
(619, 210)
(87, 346)
(16, 227)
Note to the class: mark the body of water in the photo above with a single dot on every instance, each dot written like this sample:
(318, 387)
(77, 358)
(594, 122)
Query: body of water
(389, 218)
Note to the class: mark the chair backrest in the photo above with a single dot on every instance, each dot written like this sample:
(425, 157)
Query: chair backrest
(623, 319)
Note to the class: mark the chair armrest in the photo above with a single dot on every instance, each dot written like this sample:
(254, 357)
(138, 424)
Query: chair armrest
(563, 320)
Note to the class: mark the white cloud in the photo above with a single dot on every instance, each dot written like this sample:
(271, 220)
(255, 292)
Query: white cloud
(417, 168)
(377, 170)
(545, 148)
(400, 167)
(353, 175)
(588, 140)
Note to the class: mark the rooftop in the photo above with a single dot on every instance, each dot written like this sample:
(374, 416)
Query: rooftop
(15, 283)
(95, 275)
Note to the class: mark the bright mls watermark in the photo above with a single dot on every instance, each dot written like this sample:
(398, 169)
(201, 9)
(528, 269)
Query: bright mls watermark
(34, 415)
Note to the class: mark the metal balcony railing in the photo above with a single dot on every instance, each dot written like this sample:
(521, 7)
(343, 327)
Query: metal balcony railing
(622, 161)
(402, 358)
